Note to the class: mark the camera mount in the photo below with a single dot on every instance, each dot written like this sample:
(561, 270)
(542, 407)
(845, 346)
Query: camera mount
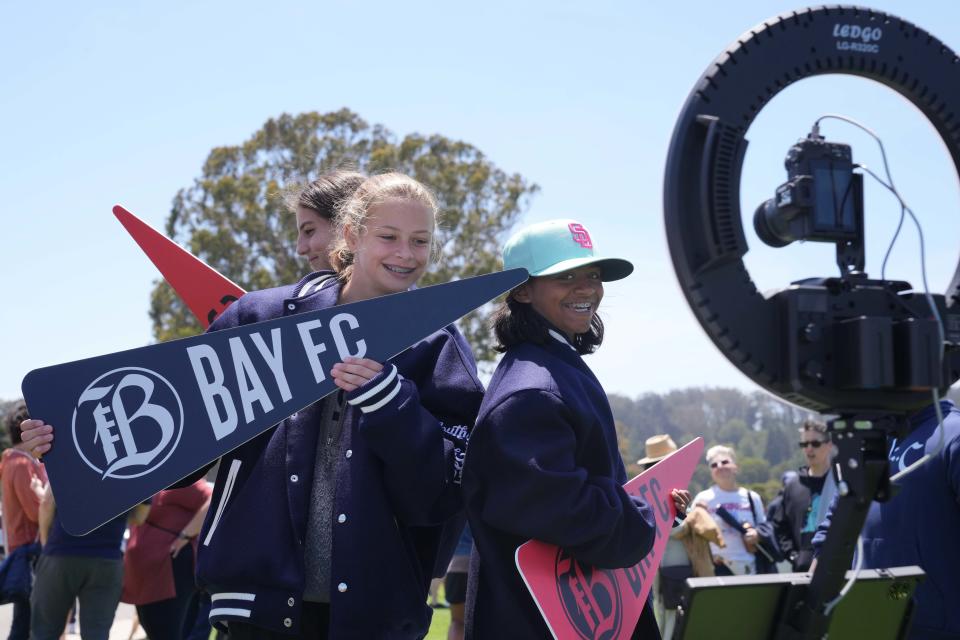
(869, 350)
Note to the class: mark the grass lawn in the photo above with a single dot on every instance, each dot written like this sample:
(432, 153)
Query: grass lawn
(439, 625)
(441, 618)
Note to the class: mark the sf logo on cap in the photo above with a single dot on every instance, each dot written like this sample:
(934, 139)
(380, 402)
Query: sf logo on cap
(127, 423)
(580, 235)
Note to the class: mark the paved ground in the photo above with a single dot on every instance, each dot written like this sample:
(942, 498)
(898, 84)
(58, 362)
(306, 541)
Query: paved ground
(122, 624)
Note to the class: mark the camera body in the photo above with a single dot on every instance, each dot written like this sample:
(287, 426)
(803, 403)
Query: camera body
(821, 201)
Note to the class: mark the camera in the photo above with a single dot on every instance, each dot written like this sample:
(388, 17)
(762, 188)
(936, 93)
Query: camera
(821, 201)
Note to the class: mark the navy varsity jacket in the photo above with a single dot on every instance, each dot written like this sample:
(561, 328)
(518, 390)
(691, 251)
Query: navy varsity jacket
(920, 525)
(398, 481)
(543, 463)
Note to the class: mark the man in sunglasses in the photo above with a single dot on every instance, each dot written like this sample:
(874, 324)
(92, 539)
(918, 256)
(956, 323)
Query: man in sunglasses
(806, 497)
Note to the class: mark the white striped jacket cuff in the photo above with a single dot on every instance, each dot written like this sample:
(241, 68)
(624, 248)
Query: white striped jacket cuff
(377, 392)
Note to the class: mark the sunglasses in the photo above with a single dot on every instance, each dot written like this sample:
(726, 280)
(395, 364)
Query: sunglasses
(816, 444)
(719, 463)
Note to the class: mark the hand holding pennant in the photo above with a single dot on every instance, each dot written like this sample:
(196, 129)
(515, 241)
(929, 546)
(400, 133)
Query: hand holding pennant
(134, 422)
(582, 602)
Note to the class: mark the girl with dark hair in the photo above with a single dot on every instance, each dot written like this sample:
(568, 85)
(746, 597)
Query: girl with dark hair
(315, 206)
(543, 461)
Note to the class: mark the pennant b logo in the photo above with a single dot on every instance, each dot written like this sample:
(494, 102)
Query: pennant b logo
(590, 598)
(127, 423)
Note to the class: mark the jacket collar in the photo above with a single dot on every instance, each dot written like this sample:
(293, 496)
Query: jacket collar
(562, 339)
(319, 290)
(558, 344)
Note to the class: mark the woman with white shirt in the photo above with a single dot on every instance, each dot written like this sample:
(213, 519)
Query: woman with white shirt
(745, 506)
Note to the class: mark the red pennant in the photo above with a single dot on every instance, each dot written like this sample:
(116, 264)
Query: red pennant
(582, 602)
(204, 290)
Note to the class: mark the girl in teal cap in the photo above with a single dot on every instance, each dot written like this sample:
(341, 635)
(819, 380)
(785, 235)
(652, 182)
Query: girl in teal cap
(543, 461)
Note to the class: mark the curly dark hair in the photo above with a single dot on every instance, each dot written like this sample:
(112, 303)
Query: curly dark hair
(17, 415)
(514, 322)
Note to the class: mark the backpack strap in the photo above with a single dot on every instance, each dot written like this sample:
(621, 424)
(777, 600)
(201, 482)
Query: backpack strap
(753, 509)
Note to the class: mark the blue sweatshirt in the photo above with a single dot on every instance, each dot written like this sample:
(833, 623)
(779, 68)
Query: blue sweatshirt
(397, 485)
(921, 524)
(543, 463)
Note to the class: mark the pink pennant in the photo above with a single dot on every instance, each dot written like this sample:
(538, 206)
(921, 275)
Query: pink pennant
(582, 602)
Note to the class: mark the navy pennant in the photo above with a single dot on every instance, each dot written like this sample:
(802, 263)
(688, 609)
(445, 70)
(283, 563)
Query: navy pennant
(132, 423)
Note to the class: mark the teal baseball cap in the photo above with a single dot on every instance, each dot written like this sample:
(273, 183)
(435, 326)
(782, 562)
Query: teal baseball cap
(555, 246)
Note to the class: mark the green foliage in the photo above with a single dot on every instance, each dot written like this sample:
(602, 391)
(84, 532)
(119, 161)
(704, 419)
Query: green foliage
(767, 490)
(734, 431)
(760, 428)
(627, 450)
(439, 625)
(753, 470)
(233, 217)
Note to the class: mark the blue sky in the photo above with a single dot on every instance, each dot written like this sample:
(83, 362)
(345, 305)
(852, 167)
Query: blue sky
(121, 103)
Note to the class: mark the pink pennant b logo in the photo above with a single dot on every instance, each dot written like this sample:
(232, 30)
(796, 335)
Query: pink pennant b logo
(580, 235)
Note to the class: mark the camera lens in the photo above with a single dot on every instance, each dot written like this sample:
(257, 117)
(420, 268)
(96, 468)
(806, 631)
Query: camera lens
(768, 223)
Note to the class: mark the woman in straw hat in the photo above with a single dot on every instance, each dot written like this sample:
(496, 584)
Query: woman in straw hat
(687, 553)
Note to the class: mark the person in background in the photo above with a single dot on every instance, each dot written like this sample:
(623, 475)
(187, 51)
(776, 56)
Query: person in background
(687, 554)
(434, 593)
(88, 569)
(806, 497)
(159, 562)
(315, 206)
(740, 505)
(22, 482)
(455, 584)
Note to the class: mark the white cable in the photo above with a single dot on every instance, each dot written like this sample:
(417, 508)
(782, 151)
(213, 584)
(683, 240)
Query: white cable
(933, 309)
(886, 168)
(940, 336)
(858, 565)
(923, 272)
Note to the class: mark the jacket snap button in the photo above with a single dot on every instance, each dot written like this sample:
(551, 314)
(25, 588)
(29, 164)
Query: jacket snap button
(342, 587)
(291, 602)
(294, 478)
(287, 622)
(291, 306)
(342, 518)
(349, 453)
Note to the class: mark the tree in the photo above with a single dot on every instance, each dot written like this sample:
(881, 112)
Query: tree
(759, 426)
(753, 470)
(233, 217)
(780, 444)
(627, 450)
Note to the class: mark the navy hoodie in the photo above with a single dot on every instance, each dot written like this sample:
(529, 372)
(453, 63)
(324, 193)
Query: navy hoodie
(921, 524)
(543, 463)
(397, 485)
